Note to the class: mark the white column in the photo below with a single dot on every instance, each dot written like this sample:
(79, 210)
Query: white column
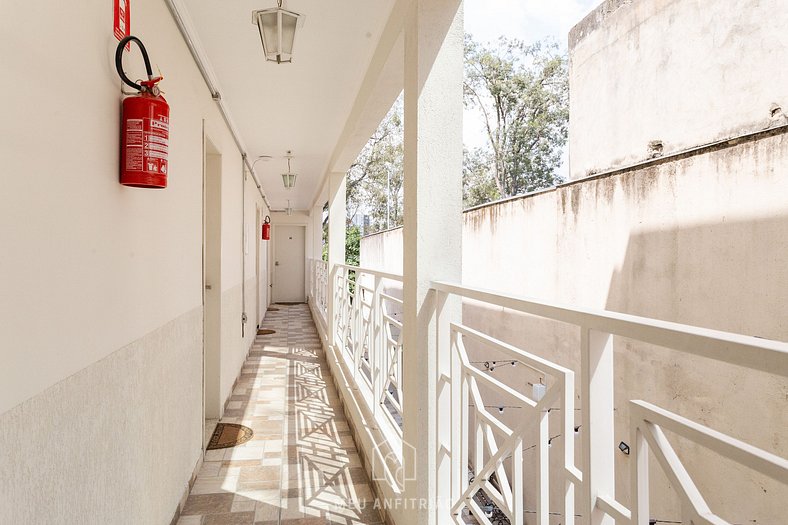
(337, 223)
(314, 232)
(317, 231)
(432, 237)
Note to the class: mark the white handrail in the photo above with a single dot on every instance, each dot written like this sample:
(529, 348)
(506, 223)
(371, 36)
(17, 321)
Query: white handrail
(376, 273)
(747, 351)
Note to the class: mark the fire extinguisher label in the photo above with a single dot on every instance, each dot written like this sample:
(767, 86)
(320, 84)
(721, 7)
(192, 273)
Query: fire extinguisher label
(156, 144)
(134, 141)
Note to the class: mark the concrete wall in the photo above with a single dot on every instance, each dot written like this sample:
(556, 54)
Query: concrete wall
(686, 72)
(700, 240)
(101, 302)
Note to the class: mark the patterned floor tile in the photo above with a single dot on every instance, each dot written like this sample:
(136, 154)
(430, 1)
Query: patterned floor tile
(301, 466)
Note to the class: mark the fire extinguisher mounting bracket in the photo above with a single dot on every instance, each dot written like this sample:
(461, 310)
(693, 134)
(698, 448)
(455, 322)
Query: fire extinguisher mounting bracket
(144, 85)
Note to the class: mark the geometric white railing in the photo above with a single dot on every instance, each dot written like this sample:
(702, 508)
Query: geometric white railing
(495, 442)
(319, 286)
(499, 443)
(368, 335)
(648, 423)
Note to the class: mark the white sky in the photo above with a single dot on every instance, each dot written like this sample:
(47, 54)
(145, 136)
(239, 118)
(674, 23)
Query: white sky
(528, 20)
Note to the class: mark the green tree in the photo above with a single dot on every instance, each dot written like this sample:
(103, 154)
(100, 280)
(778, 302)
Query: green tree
(374, 181)
(353, 245)
(521, 93)
(478, 185)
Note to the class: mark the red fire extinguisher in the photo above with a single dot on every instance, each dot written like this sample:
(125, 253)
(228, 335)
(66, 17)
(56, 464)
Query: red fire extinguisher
(267, 228)
(145, 127)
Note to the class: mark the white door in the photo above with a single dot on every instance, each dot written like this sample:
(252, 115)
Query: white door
(289, 264)
(212, 271)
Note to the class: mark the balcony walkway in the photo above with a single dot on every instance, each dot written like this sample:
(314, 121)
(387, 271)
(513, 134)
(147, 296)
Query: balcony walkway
(301, 467)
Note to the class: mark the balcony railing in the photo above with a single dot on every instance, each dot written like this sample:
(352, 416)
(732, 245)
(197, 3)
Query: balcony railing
(368, 333)
(318, 287)
(368, 336)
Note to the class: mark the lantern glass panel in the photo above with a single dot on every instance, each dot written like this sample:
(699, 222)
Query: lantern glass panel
(289, 22)
(269, 33)
(288, 179)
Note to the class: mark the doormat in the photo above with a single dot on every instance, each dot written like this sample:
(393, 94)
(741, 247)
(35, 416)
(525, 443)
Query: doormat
(273, 309)
(290, 304)
(229, 435)
(266, 332)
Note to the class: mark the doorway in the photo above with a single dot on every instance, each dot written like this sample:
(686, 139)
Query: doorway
(212, 285)
(289, 264)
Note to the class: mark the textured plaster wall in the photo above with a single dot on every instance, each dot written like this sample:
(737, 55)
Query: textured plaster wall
(100, 418)
(685, 72)
(383, 251)
(700, 241)
(107, 444)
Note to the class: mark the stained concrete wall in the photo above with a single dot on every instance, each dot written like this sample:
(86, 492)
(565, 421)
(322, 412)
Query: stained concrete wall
(685, 72)
(699, 240)
(101, 323)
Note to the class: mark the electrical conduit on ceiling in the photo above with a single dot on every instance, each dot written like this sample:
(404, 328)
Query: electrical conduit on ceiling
(177, 14)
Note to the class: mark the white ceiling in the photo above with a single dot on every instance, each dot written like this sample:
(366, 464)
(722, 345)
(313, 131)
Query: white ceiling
(302, 106)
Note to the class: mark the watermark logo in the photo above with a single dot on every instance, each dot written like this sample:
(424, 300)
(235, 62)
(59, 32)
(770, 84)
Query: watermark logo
(386, 463)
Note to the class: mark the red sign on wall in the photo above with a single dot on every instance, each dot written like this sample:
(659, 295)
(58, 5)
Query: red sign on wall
(121, 19)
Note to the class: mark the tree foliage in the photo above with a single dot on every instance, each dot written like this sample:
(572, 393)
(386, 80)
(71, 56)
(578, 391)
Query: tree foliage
(353, 245)
(521, 93)
(374, 181)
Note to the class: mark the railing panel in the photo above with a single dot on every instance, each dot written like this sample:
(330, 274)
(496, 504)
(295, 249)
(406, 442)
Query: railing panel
(318, 286)
(483, 442)
(493, 485)
(369, 338)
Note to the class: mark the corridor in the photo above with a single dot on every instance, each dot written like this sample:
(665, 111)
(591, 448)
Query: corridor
(301, 466)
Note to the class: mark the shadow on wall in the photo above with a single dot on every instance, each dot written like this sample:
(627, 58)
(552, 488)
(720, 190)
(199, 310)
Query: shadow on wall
(729, 276)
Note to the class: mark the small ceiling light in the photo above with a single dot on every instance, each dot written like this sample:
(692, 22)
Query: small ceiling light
(289, 179)
(277, 28)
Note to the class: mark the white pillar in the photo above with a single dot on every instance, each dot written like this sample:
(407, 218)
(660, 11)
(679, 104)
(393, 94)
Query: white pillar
(432, 237)
(317, 230)
(314, 232)
(337, 223)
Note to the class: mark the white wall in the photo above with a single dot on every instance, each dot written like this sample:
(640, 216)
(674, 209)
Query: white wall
(686, 72)
(94, 271)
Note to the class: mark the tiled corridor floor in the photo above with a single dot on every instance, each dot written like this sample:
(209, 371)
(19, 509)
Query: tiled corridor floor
(301, 467)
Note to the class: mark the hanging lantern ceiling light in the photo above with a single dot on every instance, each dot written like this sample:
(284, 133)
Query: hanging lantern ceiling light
(277, 28)
(289, 179)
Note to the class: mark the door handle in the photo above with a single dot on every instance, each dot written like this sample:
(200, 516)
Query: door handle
(276, 263)
(208, 287)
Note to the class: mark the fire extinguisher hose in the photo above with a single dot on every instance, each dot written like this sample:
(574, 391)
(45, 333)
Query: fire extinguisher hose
(119, 62)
